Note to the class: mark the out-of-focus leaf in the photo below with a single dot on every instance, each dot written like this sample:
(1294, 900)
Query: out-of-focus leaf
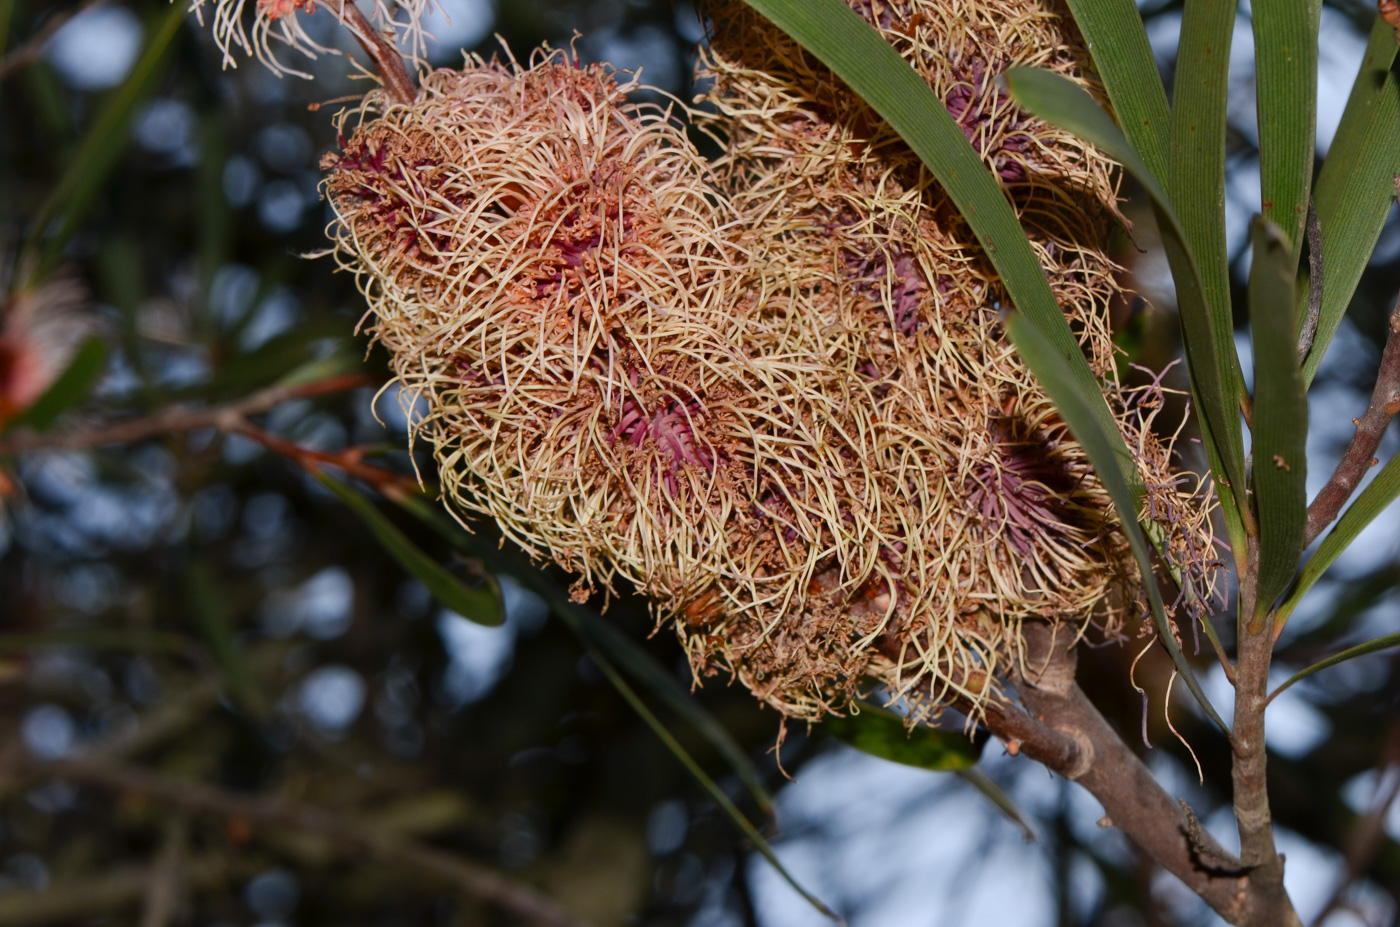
(1355, 187)
(271, 362)
(1280, 424)
(857, 54)
(207, 608)
(633, 659)
(1285, 64)
(643, 667)
(1360, 650)
(998, 797)
(482, 606)
(1063, 103)
(1052, 373)
(71, 388)
(883, 734)
(1116, 38)
(94, 639)
(1373, 500)
(85, 175)
(340, 360)
(7, 15)
(215, 228)
(1196, 183)
(572, 615)
(1131, 338)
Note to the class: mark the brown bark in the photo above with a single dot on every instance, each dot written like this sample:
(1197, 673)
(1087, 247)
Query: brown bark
(1063, 730)
(1370, 429)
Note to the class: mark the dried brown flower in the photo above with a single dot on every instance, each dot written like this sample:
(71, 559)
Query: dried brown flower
(772, 393)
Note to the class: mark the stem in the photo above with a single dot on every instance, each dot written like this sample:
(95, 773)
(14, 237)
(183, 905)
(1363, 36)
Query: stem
(175, 419)
(1370, 429)
(380, 50)
(1063, 730)
(1268, 903)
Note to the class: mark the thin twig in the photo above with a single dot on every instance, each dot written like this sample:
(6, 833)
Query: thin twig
(175, 419)
(25, 54)
(386, 482)
(1309, 328)
(519, 900)
(69, 899)
(1370, 429)
(163, 893)
(1369, 833)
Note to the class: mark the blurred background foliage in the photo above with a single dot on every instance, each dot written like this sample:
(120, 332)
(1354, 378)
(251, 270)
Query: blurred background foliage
(247, 672)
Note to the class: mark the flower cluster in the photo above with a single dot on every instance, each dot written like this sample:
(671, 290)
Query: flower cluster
(772, 392)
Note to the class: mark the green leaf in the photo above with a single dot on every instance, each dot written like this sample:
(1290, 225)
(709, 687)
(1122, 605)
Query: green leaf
(101, 146)
(1360, 650)
(482, 606)
(1116, 38)
(858, 55)
(1280, 424)
(1196, 182)
(1380, 493)
(340, 360)
(113, 639)
(998, 797)
(884, 734)
(1063, 103)
(7, 13)
(1285, 61)
(71, 388)
(1355, 187)
(643, 667)
(1110, 464)
(573, 615)
(208, 607)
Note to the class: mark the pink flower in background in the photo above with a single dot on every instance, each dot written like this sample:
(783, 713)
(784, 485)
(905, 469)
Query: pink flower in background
(39, 332)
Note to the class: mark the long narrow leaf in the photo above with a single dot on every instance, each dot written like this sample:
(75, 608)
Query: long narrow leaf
(858, 55)
(209, 610)
(97, 155)
(482, 606)
(998, 797)
(1360, 650)
(71, 387)
(1354, 189)
(1285, 56)
(1063, 103)
(1053, 374)
(1196, 183)
(572, 614)
(1280, 414)
(882, 733)
(112, 639)
(1373, 500)
(643, 667)
(635, 660)
(1118, 42)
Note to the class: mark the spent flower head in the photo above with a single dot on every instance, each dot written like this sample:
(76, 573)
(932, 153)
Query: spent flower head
(260, 28)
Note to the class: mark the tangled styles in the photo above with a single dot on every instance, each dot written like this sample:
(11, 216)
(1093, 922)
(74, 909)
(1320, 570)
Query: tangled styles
(772, 392)
(281, 23)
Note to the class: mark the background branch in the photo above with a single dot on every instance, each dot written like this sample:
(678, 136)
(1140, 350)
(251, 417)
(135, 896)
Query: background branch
(347, 835)
(175, 419)
(33, 47)
(1370, 429)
